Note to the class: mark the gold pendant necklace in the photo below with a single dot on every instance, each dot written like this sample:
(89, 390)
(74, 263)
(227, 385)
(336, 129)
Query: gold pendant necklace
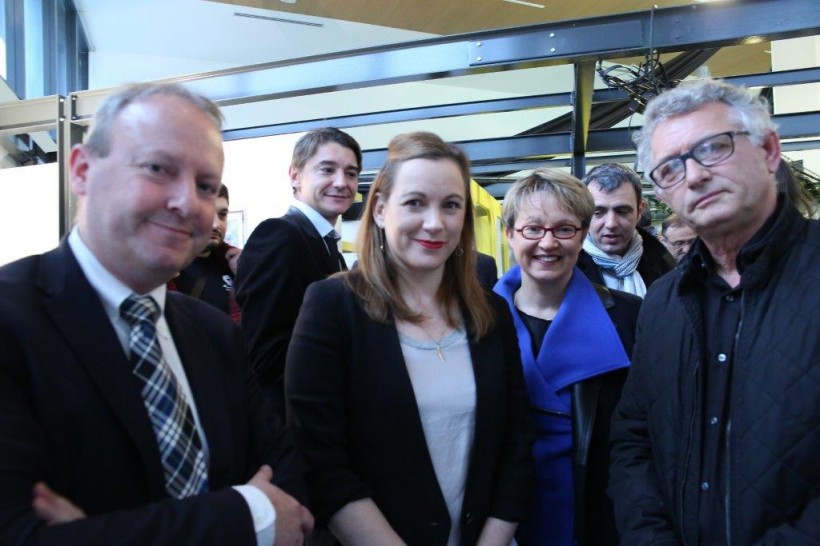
(439, 349)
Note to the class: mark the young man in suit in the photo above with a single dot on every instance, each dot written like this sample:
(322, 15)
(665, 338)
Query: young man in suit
(128, 412)
(283, 256)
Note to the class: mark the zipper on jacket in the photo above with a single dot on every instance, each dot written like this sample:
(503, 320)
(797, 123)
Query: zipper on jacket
(727, 484)
(695, 400)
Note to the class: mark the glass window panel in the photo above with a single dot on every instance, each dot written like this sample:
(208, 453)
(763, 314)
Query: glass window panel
(3, 63)
(34, 48)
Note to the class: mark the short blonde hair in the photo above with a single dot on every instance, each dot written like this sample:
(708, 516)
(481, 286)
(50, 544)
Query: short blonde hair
(572, 195)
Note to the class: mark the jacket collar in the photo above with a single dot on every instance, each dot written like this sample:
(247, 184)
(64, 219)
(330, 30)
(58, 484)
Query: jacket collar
(566, 356)
(756, 258)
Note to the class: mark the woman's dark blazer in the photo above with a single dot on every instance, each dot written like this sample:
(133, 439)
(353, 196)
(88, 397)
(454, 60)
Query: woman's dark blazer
(353, 413)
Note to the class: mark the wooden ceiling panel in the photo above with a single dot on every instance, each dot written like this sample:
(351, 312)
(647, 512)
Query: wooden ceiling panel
(453, 16)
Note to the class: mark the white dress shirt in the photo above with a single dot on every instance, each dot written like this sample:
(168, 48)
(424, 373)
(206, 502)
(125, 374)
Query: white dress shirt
(323, 227)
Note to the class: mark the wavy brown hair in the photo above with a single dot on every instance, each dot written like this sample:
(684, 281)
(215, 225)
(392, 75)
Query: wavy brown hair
(375, 280)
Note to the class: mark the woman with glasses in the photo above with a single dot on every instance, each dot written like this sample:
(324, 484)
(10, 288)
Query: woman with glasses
(404, 384)
(575, 339)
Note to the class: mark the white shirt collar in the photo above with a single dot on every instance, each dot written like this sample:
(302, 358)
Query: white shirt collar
(112, 292)
(323, 227)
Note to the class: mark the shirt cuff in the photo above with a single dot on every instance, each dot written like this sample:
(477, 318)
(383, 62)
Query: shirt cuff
(262, 512)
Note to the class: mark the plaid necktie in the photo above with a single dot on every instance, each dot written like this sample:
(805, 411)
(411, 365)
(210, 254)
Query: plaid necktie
(183, 459)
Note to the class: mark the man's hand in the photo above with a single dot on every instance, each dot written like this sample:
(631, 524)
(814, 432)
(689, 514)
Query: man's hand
(53, 508)
(232, 255)
(293, 521)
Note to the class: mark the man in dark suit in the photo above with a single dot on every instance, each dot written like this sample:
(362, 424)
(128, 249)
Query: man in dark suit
(283, 256)
(128, 413)
(617, 253)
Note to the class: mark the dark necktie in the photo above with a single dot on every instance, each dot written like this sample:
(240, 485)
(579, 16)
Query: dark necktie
(184, 461)
(333, 249)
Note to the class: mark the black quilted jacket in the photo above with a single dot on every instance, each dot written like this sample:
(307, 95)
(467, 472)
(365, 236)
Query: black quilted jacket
(774, 439)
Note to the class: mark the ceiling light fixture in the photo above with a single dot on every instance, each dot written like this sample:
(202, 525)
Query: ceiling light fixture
(529, 4)
(278, 19)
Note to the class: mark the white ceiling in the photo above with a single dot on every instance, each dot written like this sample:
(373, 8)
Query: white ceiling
(199, 31)
(144, 40)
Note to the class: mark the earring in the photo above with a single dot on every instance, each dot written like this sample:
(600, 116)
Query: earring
(381, 239)
(459, 251)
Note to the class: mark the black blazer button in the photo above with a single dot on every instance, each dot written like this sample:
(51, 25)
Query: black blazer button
(468, 517)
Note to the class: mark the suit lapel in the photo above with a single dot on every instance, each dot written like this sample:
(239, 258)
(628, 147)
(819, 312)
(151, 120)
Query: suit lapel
(315, 242)
(389, 370)
(489, 378)
(198, 361)
(388, 361)
(78, 315)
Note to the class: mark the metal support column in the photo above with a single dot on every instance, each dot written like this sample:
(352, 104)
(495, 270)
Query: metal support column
(69, 133)
(581, 109)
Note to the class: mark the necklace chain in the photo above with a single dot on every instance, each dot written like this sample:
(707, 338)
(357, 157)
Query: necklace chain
(439, 349)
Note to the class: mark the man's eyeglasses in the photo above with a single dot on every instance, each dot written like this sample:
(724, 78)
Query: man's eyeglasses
(682, 243)
(708, 152)
(535, 233)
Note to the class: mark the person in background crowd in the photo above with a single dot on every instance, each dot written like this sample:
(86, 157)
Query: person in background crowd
(486, 269)
(793, 191)
(575, 338)
(676, 236)
(645, 221)
(716, 437)
(283, 256)
(128, 414)
(404, 383)
(616, 252)
(210, 277)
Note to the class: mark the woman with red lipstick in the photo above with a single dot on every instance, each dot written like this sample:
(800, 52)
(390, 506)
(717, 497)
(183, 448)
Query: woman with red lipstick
(575, 339)
(404, 383)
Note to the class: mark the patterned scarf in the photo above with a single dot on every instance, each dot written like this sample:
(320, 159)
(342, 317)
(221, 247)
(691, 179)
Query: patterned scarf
(623, 268)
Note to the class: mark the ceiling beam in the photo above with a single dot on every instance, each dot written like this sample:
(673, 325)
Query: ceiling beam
(581, 111)
(411, 114)
(672, 29)
(540, 148)
(782, 78)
